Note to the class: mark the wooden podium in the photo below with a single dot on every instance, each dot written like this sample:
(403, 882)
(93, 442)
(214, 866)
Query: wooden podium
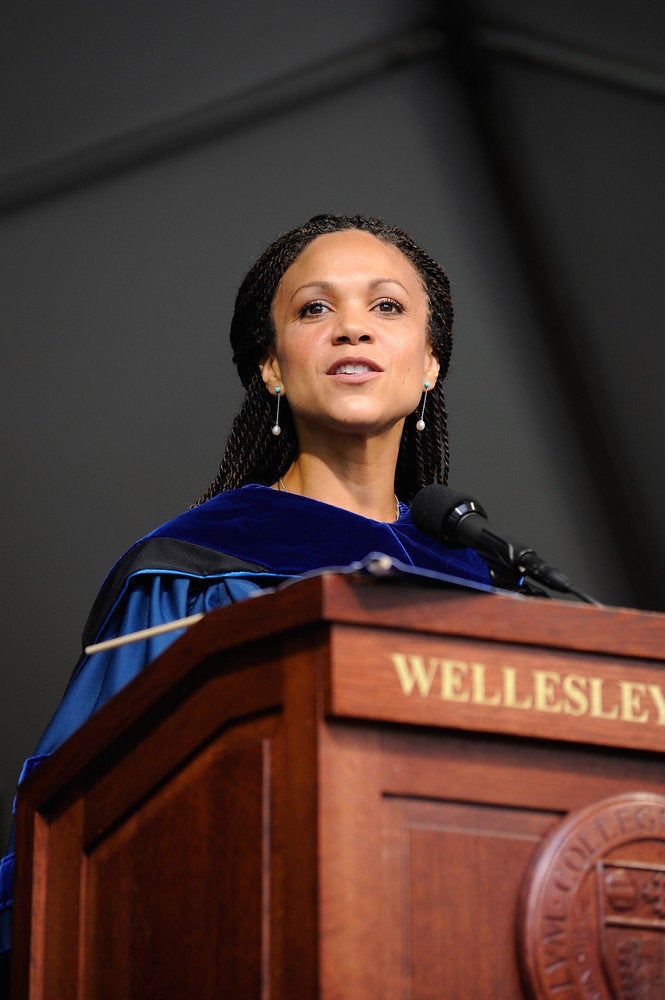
(337, 790)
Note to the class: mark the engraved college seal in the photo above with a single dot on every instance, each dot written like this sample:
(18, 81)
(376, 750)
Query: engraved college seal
(592, 921)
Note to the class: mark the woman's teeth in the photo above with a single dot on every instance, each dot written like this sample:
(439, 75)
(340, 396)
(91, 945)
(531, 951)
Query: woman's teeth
(352, 369)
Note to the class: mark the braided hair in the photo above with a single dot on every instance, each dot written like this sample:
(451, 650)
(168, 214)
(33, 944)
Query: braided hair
(253, 454)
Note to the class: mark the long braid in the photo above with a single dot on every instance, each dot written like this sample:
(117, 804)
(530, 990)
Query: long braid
(252, 453)
(443, 419)
(423, 455)
(260, 457)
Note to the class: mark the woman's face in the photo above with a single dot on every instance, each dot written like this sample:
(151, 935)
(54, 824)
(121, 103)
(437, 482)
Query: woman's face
(351, 347)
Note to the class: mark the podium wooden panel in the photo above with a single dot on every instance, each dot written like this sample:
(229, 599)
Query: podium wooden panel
(334, 790)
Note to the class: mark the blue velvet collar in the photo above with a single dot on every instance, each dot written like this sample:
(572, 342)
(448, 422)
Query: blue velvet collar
(288, 535)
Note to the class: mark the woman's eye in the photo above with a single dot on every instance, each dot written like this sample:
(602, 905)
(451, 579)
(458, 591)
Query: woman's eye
(311, 309)
(389, 306)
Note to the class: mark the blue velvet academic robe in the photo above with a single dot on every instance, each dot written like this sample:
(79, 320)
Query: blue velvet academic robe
(219, 552)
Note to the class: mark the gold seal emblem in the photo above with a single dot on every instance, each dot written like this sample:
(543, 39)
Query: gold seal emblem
(592, 920)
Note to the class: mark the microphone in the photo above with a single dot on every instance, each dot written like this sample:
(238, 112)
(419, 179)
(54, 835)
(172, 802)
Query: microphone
(460, 521)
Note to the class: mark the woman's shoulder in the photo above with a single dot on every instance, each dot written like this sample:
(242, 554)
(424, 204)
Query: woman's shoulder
(197, 543)
(242, 502)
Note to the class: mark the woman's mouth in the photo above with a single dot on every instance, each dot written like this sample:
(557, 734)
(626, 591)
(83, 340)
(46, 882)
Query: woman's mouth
(351, 369)
(354, 369)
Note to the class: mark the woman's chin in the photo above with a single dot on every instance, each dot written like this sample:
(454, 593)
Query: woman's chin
(355, 424)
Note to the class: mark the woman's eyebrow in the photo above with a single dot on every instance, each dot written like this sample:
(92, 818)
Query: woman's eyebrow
(387, 281)
(328, 286)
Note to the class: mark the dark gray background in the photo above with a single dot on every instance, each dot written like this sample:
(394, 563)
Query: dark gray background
(149, 151)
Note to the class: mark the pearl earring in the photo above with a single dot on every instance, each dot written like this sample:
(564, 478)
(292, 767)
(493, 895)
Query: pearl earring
(276, 429)
(420, 426)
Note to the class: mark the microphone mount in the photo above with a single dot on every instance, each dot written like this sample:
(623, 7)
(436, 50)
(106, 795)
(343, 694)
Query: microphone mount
(459, 520)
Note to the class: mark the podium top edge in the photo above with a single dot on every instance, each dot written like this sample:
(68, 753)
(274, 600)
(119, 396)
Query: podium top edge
(455, 611)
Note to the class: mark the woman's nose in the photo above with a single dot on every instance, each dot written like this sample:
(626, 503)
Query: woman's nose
(351, 328)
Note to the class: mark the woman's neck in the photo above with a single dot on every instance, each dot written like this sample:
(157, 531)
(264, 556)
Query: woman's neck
(358, 477)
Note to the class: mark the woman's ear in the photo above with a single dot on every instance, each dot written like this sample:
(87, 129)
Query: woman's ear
(432, 367)
(270, 372)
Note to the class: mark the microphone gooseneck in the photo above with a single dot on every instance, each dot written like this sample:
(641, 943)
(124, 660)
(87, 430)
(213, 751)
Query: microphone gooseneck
(460, 521)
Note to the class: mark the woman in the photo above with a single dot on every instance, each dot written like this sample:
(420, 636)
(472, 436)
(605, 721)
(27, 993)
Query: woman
(342, 337)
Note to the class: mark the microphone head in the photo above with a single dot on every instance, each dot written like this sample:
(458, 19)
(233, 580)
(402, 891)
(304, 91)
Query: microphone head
(438, 511)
